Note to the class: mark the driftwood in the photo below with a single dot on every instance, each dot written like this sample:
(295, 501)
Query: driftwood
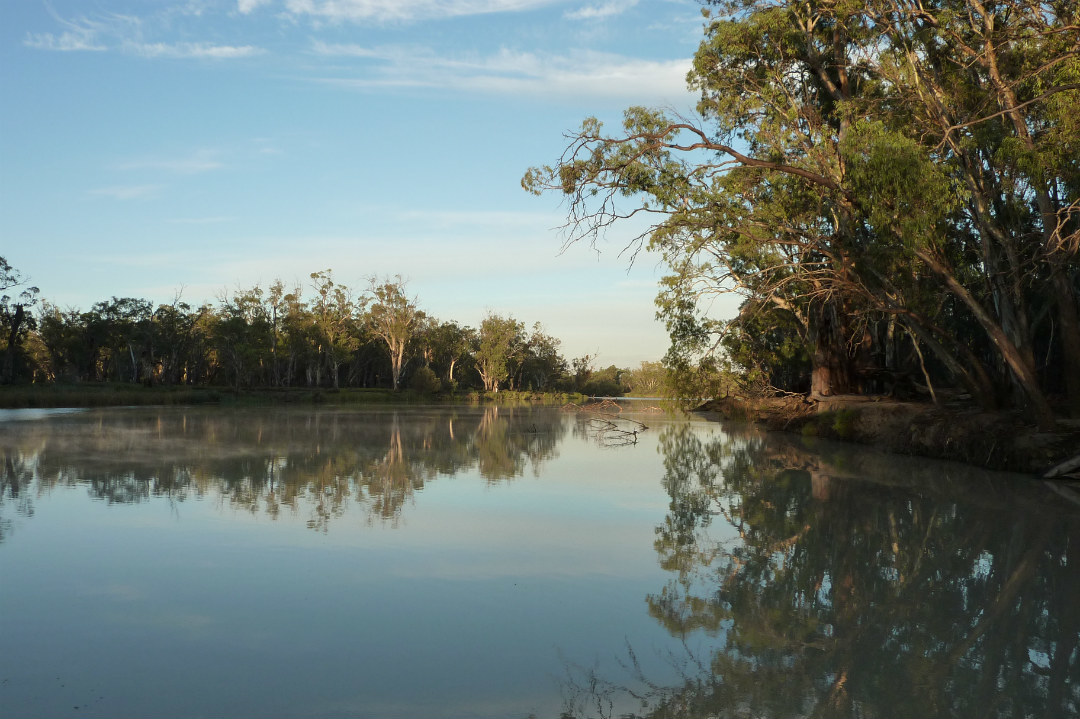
(609, 428)
(1067, 467)
(609, 405)
(610, 434)
(606, 406)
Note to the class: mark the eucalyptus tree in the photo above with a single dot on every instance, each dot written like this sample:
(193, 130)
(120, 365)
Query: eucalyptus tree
(334, 315)
(393, 317)
(179, 347)
(240, 329)
(542, 365)
(499, 345)
(450, 343)
(770, 221)
(295, 348)
(15, 320)
(120, 329)
(648, 379)
(58, 330)
(853, 164)
(993, 87)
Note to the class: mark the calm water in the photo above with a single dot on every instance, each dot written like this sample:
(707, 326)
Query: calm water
(461, 562)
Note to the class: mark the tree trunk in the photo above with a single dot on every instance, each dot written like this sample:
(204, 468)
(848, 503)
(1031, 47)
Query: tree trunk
(1024, 374)
(396, 354)
(1069, 322)
(134, 364)
(7, 372)
(973, 376)
(831, 372)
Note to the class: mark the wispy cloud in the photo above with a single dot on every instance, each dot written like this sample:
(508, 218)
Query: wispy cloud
(398, 10)
(79, 34)
(471, 219)
(201, 50)
(601, 11)
(248, 6)
(579, 74)
(128, 34)
(126, 192)
(199, 220)
(346, 50)
(200, 161)
(64, 42)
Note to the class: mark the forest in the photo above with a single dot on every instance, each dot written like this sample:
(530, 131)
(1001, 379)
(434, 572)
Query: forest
(892, 188)
(323, 335)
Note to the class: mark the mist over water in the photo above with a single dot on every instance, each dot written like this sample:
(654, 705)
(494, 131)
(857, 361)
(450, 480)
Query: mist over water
(495, 561)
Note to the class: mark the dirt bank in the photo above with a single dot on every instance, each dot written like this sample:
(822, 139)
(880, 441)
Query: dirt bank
(994, 440)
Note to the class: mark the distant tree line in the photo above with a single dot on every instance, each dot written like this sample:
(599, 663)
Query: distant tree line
(324, 335)
(893, 188)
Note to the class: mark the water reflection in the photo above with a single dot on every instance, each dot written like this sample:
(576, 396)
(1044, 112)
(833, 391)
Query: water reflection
(835, 584)
(318, 463)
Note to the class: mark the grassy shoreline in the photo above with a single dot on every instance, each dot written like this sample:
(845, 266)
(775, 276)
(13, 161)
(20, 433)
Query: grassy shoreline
(125, 395)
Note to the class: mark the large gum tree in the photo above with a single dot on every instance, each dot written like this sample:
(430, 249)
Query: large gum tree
(853, 164)
(393, 317)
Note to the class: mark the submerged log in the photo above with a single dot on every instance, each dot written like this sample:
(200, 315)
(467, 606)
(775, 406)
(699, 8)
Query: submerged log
(1067, 467)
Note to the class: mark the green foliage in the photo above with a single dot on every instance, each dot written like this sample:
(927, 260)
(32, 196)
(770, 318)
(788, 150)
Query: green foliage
(844, 423)
(500, 345)
(254, 339)
(604, 383)
(649, 379)
(904, 195)
(16, 324)
(766, 350)
(856, 166)
(424, 381)
(394, 318)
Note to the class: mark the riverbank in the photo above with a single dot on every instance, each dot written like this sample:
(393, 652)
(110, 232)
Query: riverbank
(959, 432)
(127, 395)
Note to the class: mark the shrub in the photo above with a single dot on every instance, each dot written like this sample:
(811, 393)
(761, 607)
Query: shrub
(424, 381)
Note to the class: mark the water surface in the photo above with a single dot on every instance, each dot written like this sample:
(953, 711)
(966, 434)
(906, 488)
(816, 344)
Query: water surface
(455, 561)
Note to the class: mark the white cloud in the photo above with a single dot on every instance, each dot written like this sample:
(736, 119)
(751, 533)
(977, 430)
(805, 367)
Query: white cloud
(126, 192)
(200, 50)
(579, 74)
(200, 161)
(472, 219)
(79, 33)
(65, 42)
(128, 34)
(247, 6)
(604, 10)
(344, 50)
(199, 220)
(405, 10)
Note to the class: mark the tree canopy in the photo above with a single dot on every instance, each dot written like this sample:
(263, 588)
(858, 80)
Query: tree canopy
(322, 335)
(892, 188)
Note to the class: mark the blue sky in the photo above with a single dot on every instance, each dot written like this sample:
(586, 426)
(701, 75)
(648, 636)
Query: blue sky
(150, 147)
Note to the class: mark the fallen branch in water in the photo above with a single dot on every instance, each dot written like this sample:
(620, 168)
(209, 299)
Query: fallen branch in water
(1064, 469)
(609, 434)
(606, 428)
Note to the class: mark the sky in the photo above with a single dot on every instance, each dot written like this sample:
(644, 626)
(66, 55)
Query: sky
(164, 148)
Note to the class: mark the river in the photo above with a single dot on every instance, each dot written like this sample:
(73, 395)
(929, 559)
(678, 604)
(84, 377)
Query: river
(455, 561)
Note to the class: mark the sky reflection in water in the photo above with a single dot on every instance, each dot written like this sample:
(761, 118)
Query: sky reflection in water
(504, 562)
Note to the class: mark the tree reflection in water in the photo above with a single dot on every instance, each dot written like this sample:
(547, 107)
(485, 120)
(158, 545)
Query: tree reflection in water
(841, 584)
(320, 462)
